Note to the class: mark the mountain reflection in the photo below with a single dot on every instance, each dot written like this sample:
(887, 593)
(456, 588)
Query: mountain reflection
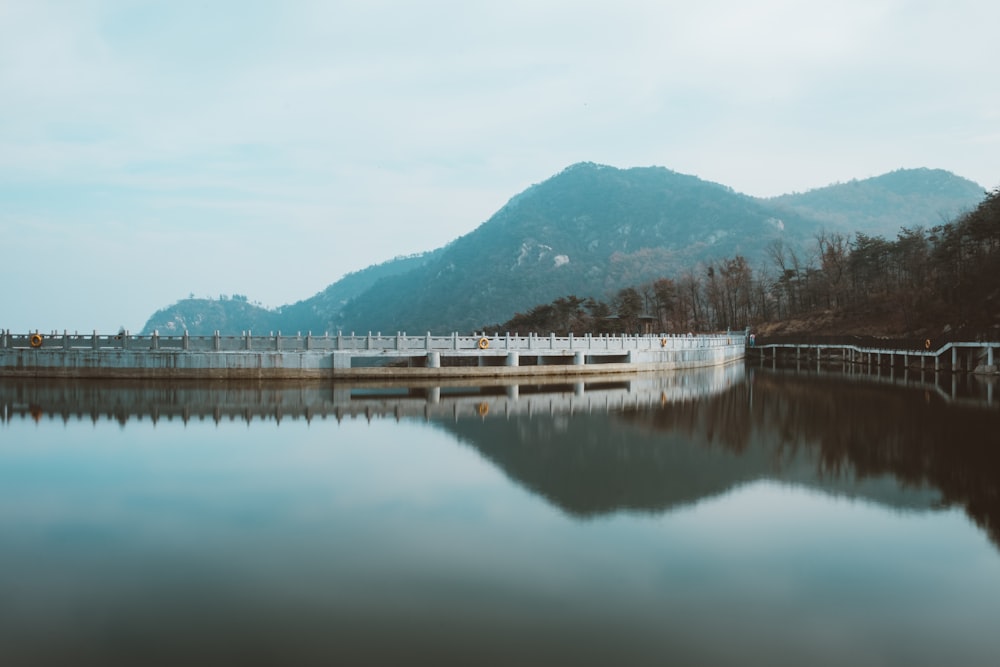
(901, 447)
(647, 443)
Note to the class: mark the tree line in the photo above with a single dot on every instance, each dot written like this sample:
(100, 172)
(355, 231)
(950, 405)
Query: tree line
(923, 280)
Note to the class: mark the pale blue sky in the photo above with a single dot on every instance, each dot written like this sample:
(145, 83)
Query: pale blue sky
(149, 150)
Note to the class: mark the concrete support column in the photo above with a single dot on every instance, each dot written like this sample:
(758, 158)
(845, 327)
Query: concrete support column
(513, 391)
(434, 394)
(513, 359)
(434, 360)
(954, 359)
(989, 356)
(579, 359)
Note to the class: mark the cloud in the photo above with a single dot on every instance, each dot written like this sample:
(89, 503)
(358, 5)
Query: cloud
(320, 137)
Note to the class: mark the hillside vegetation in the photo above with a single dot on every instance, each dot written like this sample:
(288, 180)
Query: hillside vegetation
(942, 282)
(592, 231)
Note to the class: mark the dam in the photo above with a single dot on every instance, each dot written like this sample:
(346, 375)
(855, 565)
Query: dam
(370, 356)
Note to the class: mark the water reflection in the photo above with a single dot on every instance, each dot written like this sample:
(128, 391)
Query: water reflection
(734, 516)
(647, 443)
(220, 400)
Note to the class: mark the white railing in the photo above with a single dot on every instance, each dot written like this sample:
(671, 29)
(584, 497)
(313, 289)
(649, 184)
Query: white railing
(399, 343)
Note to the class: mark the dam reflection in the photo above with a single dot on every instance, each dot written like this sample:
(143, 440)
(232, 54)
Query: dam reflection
(222, 400)
(640, 443)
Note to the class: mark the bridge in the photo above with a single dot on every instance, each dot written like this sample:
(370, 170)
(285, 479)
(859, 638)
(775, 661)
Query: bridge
(249, 356)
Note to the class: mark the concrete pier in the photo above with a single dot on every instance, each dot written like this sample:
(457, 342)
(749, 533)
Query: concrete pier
(306, 356)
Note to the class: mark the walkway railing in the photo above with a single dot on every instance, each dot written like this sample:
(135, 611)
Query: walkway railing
(399, 343)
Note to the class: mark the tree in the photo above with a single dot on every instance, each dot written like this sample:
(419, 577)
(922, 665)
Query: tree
(629, 306)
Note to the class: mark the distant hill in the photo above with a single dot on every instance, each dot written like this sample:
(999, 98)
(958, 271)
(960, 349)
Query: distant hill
(590, 231)
(202, 317)
(882, 205)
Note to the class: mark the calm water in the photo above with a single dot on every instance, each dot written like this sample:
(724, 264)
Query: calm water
(726, 517)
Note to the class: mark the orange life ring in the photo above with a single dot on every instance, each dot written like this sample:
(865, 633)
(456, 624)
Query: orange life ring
(663, 342)
(484, 409)
(483, 343)
(927, 344)
(36, 340)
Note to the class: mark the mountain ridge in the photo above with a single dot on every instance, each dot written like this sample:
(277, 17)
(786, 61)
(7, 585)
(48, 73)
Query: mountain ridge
(590, 230)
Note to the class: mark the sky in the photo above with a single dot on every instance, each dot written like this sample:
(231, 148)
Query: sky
(154, 150)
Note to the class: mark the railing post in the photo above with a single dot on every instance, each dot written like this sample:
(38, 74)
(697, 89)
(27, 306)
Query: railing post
(216, 342)
(186, 341)
(155, 345)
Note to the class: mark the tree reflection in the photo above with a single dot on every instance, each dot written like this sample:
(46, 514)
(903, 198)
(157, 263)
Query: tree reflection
(901, 447)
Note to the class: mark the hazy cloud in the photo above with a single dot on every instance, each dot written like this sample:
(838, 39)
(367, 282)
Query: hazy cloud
(267, 148)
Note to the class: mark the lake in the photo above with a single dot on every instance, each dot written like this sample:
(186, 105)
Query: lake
(740, 515)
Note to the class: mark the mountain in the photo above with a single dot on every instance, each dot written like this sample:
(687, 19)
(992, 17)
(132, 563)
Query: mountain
(882, 205)
(589, 231)
(202, 317)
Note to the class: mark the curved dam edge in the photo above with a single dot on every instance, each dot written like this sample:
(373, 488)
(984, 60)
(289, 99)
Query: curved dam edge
(314, 364)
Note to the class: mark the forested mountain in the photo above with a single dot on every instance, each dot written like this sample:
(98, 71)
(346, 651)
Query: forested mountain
(882, 205)
(939, 283)
(591, 231)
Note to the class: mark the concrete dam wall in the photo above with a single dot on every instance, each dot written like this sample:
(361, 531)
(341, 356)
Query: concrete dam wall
(372, 356)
